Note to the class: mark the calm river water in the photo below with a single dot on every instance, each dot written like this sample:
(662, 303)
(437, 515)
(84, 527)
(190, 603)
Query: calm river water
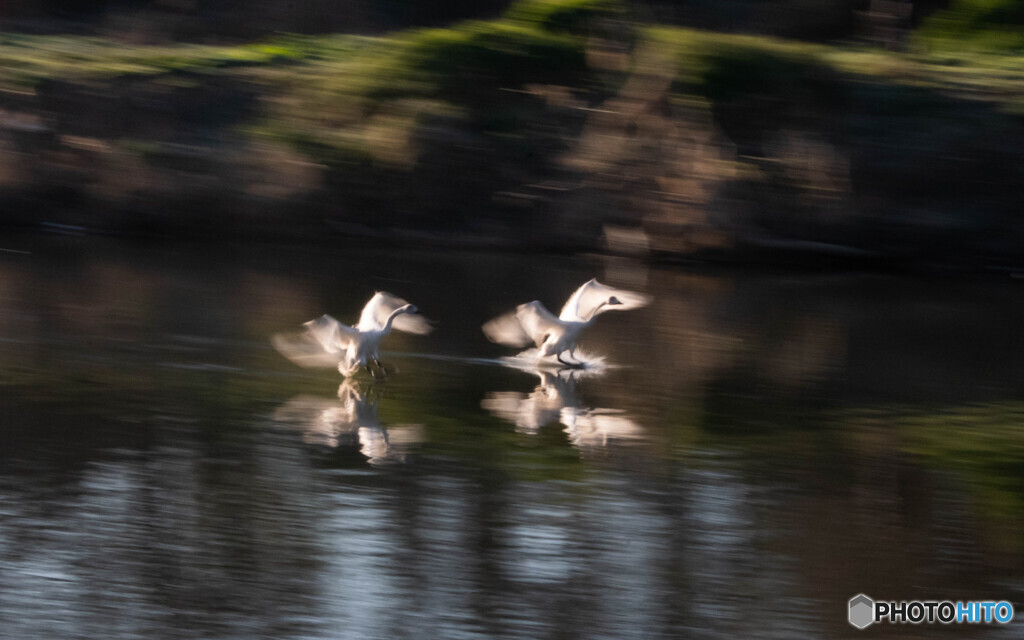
(763, 447)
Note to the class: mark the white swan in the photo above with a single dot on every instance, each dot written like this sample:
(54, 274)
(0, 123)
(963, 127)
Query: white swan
(327, 342)
(532, 322)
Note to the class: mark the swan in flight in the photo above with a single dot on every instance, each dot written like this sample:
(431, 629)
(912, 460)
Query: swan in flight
(533, 323)
(325, 342)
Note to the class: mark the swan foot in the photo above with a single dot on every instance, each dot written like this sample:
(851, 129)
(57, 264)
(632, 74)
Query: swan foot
(573, 365)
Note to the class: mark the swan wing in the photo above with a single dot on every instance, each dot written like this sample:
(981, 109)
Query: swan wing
(593, 297)
(322, 343)
(333, 336)
(412, 323)
(538, 322)
(507, 330)
(529, 323)
(376, 312)
(380, 307)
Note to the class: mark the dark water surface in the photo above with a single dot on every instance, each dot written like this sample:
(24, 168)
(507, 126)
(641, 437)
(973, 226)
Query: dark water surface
(765, 447)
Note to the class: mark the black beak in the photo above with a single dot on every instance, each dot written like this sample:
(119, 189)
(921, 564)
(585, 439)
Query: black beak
(614, 300)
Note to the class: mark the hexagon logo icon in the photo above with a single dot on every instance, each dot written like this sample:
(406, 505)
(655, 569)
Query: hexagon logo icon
(862, 611)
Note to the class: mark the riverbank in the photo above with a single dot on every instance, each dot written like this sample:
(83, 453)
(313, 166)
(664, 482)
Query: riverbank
(559, 125)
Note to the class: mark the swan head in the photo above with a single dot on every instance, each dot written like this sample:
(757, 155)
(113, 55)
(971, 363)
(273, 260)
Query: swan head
(409, 308)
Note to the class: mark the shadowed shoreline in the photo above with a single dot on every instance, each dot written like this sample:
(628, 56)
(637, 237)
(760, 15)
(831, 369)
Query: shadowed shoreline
(556, 126)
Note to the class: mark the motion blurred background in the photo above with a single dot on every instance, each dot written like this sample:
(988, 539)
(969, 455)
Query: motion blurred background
(846, 129)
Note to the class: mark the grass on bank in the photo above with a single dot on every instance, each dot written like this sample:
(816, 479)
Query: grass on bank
(333, 79)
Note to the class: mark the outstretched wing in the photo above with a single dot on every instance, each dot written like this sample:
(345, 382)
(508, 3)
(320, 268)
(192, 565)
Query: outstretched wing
(333, 336)
(380, 307)
(530, 322)
(506, 330)
(322, 343)
(594, 297)
(537, 321)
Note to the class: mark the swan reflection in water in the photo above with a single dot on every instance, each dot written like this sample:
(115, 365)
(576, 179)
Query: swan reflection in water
(350, 420)
(555, 399)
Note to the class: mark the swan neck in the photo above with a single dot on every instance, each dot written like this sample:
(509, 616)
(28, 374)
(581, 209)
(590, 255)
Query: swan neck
(593, 314)
(391, 318)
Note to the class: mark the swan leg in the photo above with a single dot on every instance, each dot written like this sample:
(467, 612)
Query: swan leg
(376, 373)
(382, 368)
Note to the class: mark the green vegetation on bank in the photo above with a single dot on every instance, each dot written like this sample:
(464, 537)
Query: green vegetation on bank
(976, 25)
(561, 110)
